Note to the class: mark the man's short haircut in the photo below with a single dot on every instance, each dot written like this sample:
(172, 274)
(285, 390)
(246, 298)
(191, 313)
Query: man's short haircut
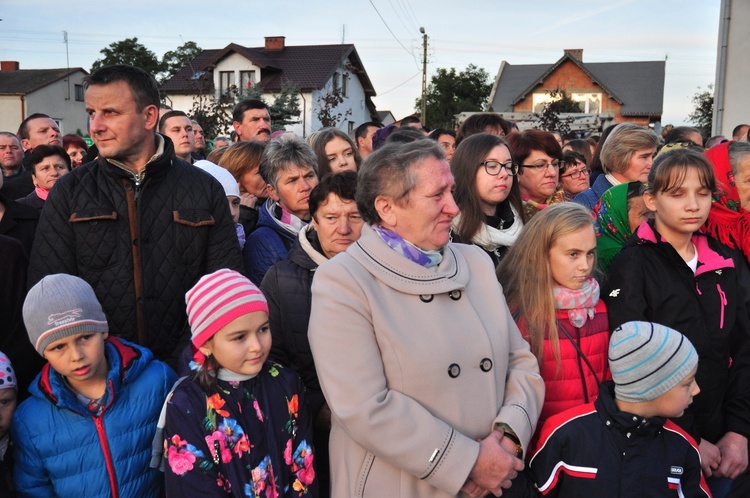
(42, 152)
(246, 105)
(409, 120)
(343, 185)
(405, 135)
(23, 130)
(170, 114)
(361, 131)
(738, 129)
(9, 134)
(142, 85)
(283, 153)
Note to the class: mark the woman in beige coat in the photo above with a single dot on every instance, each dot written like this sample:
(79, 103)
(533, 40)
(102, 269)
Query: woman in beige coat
(434, 392)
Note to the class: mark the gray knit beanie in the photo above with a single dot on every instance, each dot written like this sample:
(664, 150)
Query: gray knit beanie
(60, 306)
(648, 359)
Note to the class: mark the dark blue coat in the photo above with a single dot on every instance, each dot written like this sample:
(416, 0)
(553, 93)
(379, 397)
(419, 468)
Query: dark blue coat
(268, 244)
(62, 449)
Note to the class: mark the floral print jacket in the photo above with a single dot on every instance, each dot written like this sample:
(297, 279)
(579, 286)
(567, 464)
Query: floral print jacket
(241, 439)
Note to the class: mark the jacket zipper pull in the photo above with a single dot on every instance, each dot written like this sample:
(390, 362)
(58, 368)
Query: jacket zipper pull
(137, 181)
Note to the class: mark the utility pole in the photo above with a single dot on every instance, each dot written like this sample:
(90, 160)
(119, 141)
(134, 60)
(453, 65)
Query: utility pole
(67, 58)
(424, 76)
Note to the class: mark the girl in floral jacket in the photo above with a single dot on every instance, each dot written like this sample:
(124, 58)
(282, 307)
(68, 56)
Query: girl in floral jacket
(240, 427)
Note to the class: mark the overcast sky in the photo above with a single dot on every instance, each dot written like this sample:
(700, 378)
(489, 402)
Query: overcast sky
(480, 32)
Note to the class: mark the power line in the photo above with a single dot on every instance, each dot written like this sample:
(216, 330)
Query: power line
(400, 84)
(392, 33)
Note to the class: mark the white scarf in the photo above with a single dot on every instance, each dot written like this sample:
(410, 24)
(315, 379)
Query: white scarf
(490, 238)
(317, 257)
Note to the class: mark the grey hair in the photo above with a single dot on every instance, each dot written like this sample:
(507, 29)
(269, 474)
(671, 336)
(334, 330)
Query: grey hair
(13, 135)
(737, 152)
(283, 153)
(391, 172)
(624, 141)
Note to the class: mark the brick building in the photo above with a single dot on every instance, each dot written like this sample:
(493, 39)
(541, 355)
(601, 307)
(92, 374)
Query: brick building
(630, 91)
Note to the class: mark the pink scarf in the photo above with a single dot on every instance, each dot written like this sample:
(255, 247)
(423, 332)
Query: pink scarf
(579, 303)
(41, 193)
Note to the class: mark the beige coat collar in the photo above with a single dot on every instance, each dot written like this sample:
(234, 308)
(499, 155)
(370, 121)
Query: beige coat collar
(397, 272)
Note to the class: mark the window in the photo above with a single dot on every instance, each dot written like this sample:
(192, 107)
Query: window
(335, 81)
(247, 80)
(79, 93)
(591, 103)
(351, 127)
(226, 81)
(344, 79)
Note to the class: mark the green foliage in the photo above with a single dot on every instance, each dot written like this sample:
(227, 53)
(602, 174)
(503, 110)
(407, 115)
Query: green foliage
(703, 110)
(285, 109)
(450, 93)
(131, 52)
(174, 60)
(549, 119)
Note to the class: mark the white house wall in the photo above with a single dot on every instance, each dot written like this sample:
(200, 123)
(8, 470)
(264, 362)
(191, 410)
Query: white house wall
(731, 105)
(234, 62)
(10, 112)
(355, 101)
(55, 101)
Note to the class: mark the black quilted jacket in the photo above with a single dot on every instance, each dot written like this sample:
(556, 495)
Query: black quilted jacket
(140, 242)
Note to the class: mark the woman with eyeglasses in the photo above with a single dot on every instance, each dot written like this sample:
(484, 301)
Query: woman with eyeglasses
(488, 195)
(574, 174)
(539, 157)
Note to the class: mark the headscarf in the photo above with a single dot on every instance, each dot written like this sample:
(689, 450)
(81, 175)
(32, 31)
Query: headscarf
(612, 225)
(727, 220)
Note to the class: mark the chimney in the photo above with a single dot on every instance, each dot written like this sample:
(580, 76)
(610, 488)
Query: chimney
(275, 43)
(575, 52)
(9, 66)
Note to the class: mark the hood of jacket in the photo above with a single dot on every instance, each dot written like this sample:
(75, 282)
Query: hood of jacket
(126, 362)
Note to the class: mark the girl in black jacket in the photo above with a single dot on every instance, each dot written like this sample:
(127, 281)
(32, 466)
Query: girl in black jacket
(671, 273)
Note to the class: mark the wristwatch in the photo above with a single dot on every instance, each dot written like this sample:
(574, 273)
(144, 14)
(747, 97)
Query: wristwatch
(508, 432)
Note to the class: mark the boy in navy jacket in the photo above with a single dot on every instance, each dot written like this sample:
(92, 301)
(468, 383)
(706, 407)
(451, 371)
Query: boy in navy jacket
(623, 444)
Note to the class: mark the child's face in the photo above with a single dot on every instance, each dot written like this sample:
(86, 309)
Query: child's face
(673, 403)
(242, 345)
(7, 408)
(571, 258)
(80, 358)
(234, 207)
(683, 209)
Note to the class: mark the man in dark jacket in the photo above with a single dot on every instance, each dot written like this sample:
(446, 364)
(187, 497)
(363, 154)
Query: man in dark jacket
(138, 224)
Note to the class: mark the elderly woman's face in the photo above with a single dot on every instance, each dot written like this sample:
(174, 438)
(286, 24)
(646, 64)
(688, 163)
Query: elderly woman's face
(639, 165)
(742, 182)
(539, 175)
(338, 224)
(425, 218)
(292, 191)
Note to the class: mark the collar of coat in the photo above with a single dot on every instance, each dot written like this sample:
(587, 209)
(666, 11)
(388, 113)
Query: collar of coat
(403, 275)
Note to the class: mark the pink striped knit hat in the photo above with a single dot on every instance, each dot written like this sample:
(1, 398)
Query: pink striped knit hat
(216, 300)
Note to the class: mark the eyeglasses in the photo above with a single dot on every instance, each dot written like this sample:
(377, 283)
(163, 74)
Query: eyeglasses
(577, 173)
(493, 168)
(540, 167)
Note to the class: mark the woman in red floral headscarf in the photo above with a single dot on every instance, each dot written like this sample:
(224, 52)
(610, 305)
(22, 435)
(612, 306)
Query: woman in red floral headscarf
(729, 219)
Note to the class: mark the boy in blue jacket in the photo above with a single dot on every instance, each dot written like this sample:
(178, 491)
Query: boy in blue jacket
(86, 430)
(624, 444)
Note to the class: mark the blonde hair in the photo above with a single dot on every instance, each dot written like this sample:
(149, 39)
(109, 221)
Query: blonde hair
(625, 140)
(526, 276)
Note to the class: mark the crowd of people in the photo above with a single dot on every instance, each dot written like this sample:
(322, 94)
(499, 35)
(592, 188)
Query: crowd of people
(402, 312)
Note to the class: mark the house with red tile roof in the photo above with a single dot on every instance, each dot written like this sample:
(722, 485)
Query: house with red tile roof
(314, 69)
(630, 91)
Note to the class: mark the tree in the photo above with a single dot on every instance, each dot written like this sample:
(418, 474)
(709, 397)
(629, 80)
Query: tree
(549, 119)
(450, 93)
(214, 115)
(703, 112)
(285, 109)
(130, 52)
(174, 60)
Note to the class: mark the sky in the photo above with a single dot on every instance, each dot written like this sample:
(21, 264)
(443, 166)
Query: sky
(386, 35)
